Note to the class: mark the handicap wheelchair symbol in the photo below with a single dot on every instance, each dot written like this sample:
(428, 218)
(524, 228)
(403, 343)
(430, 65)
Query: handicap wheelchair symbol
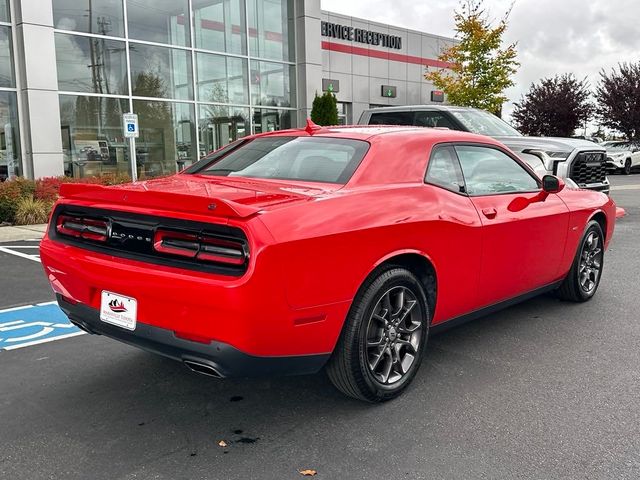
(131, 127)
(32, 325)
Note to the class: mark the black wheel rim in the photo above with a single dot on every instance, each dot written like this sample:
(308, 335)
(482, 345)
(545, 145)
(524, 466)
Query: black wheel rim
(394, 335)
(590, 262)
(627, 167)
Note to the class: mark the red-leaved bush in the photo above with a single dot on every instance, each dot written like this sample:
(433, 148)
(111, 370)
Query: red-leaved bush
(43, 189)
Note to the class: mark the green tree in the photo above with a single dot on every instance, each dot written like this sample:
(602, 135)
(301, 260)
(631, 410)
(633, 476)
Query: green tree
(618, 97)
(324, 110)
(480, 69)
(555, 107)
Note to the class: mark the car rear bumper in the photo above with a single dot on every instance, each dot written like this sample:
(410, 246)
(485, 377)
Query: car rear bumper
(215, 358)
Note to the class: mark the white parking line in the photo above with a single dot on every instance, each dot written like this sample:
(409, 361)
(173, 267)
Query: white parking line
(44, 340)
(34, 258)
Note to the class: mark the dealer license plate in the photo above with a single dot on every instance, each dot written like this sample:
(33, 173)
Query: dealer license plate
(118, 310)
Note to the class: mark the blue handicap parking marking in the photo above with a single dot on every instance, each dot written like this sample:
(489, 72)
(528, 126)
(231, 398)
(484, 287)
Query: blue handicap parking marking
(131, 127)
(34, 324)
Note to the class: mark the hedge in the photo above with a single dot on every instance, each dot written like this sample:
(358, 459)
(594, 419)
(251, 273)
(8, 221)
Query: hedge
(24, 201)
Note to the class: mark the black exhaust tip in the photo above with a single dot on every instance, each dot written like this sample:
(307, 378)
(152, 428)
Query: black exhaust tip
(202, 368)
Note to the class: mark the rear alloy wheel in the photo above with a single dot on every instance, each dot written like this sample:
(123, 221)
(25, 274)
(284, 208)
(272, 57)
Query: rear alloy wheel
(384, 337)
(627, 167)
(584, 277)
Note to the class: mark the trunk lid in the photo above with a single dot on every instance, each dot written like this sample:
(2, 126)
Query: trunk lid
(233, 197)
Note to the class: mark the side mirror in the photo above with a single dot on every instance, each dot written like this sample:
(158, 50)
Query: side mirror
(552, 184)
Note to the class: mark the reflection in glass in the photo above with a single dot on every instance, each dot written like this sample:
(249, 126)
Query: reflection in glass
(161, 21)
(270, 84)
(160, 72)
(220, 125)
(94, 65)
(167, 137)
(10, 159)
(103, 17)
(220, 25)
(269, 120)
(4, 11)
(221, 79)
(92, 140)
(7, 78)
(270, 29)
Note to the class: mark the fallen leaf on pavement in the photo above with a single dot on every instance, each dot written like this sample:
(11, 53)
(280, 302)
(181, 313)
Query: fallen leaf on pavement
(222, 443)
(307, 473)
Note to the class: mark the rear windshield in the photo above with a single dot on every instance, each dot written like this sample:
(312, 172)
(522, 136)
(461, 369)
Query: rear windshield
(311, 159)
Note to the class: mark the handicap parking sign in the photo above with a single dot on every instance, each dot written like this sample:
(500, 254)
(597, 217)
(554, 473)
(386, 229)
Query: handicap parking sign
(130, 124)
(34, 324)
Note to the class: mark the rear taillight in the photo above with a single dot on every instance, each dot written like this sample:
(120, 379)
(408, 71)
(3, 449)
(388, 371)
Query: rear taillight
(83, 227)
(204, 247)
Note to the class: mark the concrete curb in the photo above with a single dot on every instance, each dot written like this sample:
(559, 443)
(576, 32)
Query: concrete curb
(22, 232)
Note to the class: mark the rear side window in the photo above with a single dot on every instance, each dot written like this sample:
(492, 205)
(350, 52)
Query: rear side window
(433, 119)
(312, 159)
(391, 118)
(444, 170)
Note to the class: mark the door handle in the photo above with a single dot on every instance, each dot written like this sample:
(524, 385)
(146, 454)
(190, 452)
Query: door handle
(490, 213)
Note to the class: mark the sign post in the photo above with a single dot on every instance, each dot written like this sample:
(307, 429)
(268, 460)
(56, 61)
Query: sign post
(131, 131)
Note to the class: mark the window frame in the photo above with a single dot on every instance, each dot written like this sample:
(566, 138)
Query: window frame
(513, 157)
(462, 189)
(453, 146)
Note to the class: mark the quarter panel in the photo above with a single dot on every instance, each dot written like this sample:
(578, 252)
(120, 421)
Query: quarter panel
(329, 247)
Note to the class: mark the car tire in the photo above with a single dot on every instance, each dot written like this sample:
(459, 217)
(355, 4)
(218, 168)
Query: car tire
(583, 279)
(384, 337)
(627, 167)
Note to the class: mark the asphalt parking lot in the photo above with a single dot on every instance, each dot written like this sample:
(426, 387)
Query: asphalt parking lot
(545, 389)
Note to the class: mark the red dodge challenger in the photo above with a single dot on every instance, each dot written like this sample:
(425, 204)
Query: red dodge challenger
(346, 247)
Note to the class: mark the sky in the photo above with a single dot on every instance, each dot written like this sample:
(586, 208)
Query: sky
(553, 36)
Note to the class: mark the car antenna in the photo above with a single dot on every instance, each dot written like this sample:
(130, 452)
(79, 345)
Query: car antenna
(311, 127)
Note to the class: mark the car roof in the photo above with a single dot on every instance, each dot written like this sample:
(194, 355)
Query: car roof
(425, 106)
(368, 132)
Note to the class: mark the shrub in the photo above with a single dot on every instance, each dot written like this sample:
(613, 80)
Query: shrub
(30, 210)
(47, 188)
(43, 191)
(10, 194)
(324, 109)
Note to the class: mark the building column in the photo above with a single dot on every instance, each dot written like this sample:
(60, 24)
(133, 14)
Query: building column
(308, 56)
(38, 89)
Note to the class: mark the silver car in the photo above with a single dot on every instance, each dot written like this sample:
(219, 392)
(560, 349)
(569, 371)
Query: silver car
(578, 161)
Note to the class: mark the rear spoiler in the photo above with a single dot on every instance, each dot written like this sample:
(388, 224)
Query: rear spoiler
(178, 202)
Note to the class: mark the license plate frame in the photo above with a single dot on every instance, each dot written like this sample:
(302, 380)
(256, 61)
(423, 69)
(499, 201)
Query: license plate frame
(119, 310)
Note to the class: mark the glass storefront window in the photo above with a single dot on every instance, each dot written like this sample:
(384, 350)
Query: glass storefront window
(103, 17)
(269, 120)
(94, 65)
(92, 140)
(270, 84)
(9, 136)
(4, 11)
(161, 21)
(221, 79)
(167, 137)
(220, 125)
(160, 72)
(271, 29)
(220, 25)
(7, 78)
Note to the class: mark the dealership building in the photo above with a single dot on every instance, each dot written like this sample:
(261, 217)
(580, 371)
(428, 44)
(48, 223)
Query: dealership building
(197, 73)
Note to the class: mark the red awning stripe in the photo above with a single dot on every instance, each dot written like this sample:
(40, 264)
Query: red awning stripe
(396, 57)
